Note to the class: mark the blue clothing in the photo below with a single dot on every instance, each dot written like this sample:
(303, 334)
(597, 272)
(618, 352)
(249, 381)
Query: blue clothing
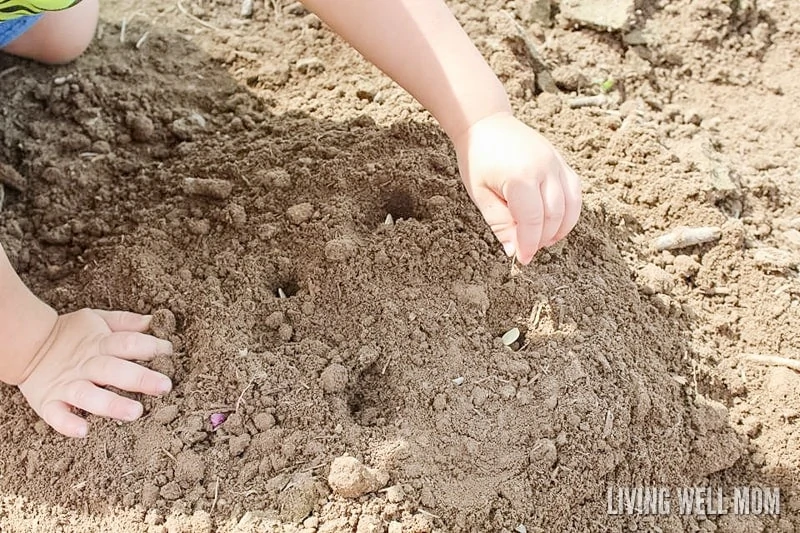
(14, 28)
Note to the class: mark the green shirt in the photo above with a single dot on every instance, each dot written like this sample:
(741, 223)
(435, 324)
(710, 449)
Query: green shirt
(11, 9)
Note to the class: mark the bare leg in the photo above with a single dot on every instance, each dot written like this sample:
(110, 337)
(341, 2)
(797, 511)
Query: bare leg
(59, 36)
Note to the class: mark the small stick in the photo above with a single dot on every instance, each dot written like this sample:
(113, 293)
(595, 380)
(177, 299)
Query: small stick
(169, 455)
(9, 70)
(776, 360)
(197, 20)
(589, 101)
(141, 40)
(241, 396)
(216, 496)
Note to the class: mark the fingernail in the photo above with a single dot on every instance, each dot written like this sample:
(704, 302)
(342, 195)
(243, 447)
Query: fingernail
(81, 432)
(164, 387)
(134, 413)
(509, 249)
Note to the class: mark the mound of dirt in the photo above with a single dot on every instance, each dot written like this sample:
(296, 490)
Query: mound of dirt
(244, 199)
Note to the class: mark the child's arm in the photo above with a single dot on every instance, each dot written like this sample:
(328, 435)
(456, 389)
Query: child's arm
(60, 362)
(524, 189)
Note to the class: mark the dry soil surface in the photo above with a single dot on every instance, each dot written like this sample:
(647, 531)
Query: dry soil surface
(324, 332)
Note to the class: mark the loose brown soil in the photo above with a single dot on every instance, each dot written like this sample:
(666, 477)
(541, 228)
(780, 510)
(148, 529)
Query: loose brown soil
(632, 368)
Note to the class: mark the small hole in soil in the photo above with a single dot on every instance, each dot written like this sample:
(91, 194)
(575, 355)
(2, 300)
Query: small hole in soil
(400, 204)
(288, 285)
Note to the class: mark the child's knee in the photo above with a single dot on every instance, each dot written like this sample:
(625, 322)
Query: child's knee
(59, 36)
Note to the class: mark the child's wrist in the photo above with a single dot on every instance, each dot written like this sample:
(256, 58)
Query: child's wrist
(460, 139)
(28, 324)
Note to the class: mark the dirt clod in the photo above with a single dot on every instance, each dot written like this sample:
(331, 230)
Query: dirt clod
(350, 478)
(334, 379)
(163, 323)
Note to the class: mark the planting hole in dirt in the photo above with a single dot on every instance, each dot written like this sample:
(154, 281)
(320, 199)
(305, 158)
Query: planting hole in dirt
(400, 204)
(286, 287)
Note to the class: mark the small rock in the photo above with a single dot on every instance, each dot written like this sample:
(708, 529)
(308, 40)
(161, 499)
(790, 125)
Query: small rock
(142, 128)
(334, 379)
(395, 527)
(297, 214)
(171, 491)
(163, 324)
(351, 479)
(340, 249)
(166, 414)
(599, 13)
(210, 188)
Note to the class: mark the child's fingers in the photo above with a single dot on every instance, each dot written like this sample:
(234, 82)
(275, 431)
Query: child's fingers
(554, 207)
(134, 346)
(496, 214)
(125, 375)
(124, 320)
(525, 204)
(571, 185)
(60, 417)
(101, 402)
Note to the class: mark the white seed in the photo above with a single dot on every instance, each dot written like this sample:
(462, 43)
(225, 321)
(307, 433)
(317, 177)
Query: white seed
(511, 336)
(281, 294)
(458, 381)
(389, 220)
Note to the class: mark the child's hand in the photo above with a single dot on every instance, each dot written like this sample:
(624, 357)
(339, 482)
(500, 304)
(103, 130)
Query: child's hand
(526, 192)
(86, 351)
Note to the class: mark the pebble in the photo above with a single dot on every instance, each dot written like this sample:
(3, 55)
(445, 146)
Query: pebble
(685, 266)
(334, 379)
(297, 214)
(142, 128)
